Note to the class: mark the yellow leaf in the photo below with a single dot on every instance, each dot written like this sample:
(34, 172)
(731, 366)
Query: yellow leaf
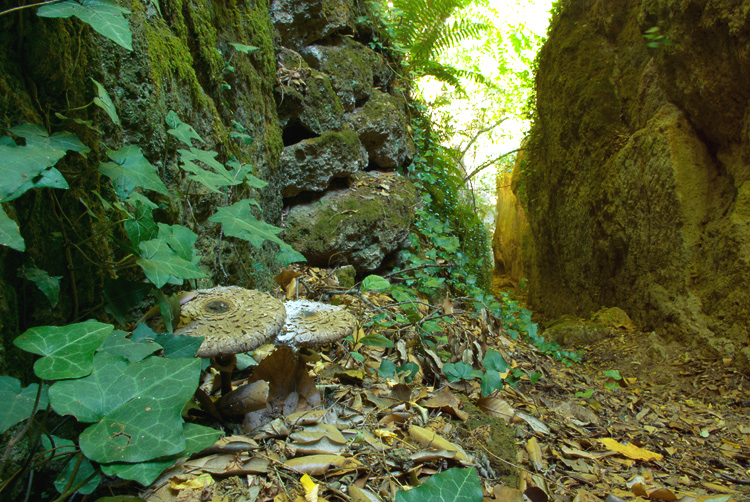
(630, 450)
(311, 489)
(428, 439)
(197, 483)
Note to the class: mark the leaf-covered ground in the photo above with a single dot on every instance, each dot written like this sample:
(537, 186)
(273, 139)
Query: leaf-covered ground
(634, 422)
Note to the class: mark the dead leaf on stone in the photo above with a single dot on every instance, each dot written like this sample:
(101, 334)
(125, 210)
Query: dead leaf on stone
(507, 494)
(496, 407)
(429, 439)
(446, 401)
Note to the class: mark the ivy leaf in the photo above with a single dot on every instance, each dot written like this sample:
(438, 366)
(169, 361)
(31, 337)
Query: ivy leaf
(387, 369)
(244, 48)
(375, 283)
(10, 235)
(103, 101)
(130, 170)
(18, 402)
(180, 239)
(160, 263)
(289, 255)
(491, 381)
(136, 406)
(141, 227)
(241, 172)
(452, 485)
(458, 371)
(197, 438)
(104, 16)
(494, 361)
(19, 165)
(118, 344)
(180, 130)
(36, 135)
(238, 221)
(212, 180)
(68, 349)
(49, 285)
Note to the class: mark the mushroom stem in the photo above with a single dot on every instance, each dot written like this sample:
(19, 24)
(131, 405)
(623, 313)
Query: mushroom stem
(225, 364)
(207, 404)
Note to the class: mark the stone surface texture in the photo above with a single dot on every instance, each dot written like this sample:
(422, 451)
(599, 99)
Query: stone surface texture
(637, 179)
(358, 226)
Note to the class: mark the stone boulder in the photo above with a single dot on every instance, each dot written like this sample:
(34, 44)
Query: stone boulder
(360, 225)
(312, 163)
(383, 129)
(302, 22)
(305, 97)
(351, 66)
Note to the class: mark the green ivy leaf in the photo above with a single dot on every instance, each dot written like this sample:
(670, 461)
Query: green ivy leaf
(456, 372)
(131, 170)
(118, 344)
(180, 239)
(244, 48)
(57, 447)
(491, 381)
(213, 180)
(375, 283)
(104, 16)
(494, 361)
(20, 165)
(136, 406)
(180, 130)
(387, 369)
(18, 402)
(37, 136)
(238, 221)
(452, 485)
(242, 172)
(160, 263)
(141, 227)
(10, 235)
(47, 284)
(68, 349)
(103, 101)
(431, 327)
(197, 438)
(376, 340)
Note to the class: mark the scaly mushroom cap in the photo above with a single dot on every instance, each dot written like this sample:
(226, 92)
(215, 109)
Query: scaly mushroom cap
(310, 324)
(232, 319)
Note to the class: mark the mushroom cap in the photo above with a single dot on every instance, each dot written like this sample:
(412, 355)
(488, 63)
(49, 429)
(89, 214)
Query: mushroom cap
(232, 319)
(310, 324)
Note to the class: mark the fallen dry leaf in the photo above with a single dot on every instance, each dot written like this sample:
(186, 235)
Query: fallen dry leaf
(630, 450)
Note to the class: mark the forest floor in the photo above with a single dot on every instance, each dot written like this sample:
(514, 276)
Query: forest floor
(628, 423)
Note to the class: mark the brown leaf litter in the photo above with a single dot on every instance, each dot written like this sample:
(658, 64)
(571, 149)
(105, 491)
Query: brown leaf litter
(673, 427)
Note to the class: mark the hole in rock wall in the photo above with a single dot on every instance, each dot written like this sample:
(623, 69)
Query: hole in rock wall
(310, 196)
(294, 133)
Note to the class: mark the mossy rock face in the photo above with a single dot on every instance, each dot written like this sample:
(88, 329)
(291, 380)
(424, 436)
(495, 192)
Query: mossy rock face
(306, 97)
(312, 163)
(358, 226)
(636, 179)
(352, 68)
(302, 22)
(382, 127)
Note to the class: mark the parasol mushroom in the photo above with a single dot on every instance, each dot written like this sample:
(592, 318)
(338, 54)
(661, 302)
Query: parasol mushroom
(232, 320)
(310, 324)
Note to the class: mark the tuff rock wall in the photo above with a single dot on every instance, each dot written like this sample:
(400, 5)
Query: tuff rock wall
(636, 184)
(315, 99)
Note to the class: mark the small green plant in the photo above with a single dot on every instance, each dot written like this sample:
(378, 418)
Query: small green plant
(492, 377)
(655, 38)
(452, 484)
